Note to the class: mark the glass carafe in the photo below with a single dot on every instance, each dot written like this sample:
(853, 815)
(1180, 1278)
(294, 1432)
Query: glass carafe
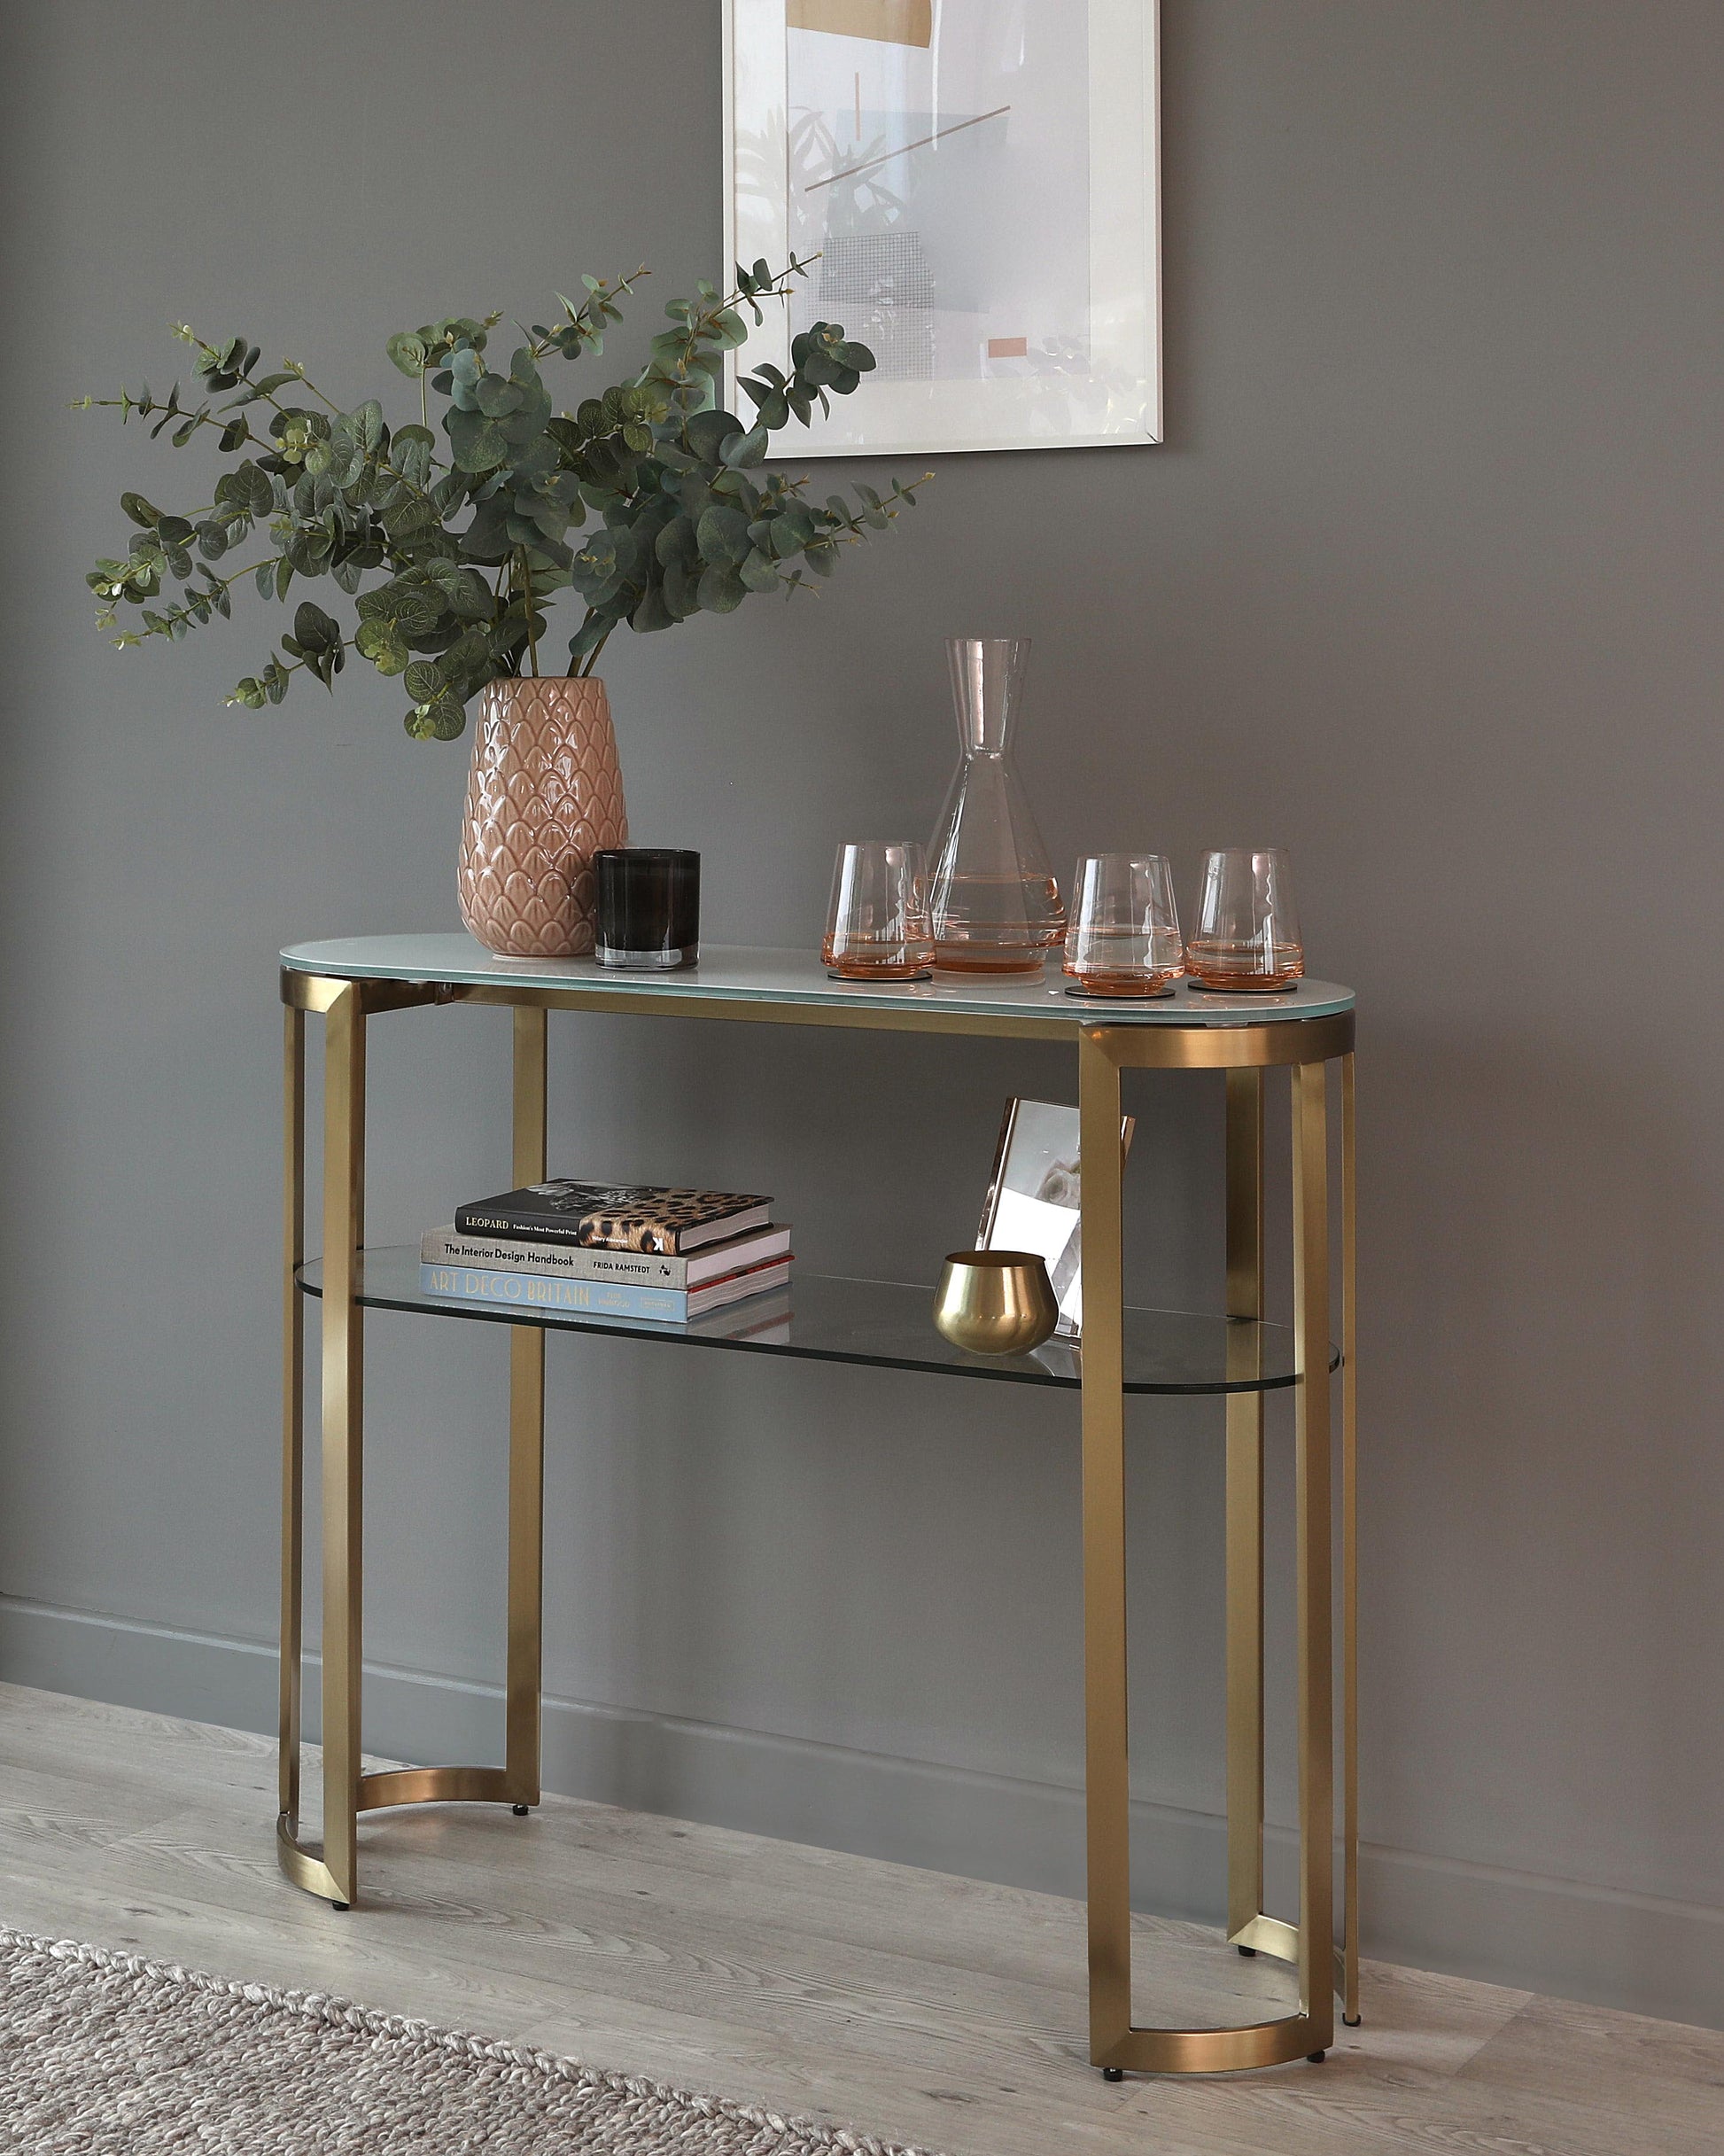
(995, 904)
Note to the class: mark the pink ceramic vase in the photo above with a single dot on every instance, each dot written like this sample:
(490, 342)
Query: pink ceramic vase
(544, 795)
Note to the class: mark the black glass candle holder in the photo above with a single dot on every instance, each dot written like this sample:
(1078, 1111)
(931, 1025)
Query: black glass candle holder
(649, 907)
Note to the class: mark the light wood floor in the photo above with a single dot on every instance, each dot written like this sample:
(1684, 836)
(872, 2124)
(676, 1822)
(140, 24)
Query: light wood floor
(915, 2006)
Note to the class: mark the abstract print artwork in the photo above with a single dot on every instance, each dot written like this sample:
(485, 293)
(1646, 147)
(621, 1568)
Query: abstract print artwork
(976, 183)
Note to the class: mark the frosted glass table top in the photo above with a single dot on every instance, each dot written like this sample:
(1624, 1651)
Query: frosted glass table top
(737, 973)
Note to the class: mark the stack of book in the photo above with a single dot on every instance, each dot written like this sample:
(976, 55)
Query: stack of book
(608, 1249)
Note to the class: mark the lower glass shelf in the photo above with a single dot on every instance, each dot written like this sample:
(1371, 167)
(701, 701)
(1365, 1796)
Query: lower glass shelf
(886, 1323)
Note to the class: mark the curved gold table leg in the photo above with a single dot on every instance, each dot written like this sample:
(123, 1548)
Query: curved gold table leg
(301, 1865)
(332, 1873)
(1244, 1511)
(1313, 1528)
(293, 1413)
(344, 1394)
(1349, 1970)
(526, 1451)
(1115, 2045)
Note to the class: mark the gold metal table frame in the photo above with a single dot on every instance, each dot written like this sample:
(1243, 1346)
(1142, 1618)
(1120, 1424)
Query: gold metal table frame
(1243, 1051)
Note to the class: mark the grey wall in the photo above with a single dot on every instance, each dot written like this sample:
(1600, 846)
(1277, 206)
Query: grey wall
(1424, 585)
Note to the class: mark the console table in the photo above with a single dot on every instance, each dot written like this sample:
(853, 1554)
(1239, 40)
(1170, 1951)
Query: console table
(1236, 1356)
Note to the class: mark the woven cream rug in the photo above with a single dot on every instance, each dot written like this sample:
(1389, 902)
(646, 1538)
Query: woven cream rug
(105, 2055)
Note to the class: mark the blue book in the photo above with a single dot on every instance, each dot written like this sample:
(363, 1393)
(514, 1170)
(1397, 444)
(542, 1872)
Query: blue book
(549, 1293)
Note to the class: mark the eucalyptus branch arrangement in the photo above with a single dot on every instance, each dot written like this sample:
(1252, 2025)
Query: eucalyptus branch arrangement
(467, 539)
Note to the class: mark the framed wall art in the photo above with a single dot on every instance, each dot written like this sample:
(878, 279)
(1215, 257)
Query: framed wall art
(978, 181)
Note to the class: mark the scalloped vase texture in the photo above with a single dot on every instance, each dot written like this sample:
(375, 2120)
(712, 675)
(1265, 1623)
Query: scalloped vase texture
(544, 794)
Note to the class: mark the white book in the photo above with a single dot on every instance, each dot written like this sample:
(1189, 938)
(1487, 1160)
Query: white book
(537, 1292)
(448, 1246)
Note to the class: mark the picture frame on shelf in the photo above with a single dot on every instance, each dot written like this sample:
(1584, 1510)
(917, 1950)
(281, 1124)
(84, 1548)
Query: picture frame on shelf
(1034, 1194)
(980, 186)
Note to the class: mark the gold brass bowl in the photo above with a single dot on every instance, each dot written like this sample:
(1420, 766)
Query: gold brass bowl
(995, 1302)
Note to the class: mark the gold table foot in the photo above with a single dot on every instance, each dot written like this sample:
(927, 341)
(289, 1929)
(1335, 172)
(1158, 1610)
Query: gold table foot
(387, 1790)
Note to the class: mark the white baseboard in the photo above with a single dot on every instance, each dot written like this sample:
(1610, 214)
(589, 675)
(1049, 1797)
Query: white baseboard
(1568, 1939)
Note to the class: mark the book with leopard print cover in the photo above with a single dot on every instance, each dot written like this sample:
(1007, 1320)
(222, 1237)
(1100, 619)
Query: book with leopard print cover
(615, 1215)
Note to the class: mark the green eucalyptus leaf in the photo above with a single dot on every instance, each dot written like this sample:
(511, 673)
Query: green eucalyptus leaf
(589, 635)
(315, 629)
(721, 590)
(793, 528)
(442, 719)
(381, 642)
(759, 571)
(408, 352)
(681, 590)
(470, 597)
(410, 451)
(139, 510)
(723, 536)
(707, 433)
(596, 566)
(496, 396)
(742, 450)
(404, 523)
(463, 374)
(677, 542)
(479, 444)
(651, 613)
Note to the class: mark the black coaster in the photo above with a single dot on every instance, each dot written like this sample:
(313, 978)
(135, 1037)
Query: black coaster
(1240, 988)
(896, 980)
(1085, 995)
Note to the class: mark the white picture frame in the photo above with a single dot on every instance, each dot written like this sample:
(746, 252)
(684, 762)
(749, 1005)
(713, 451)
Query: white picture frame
(1034, 1195)
(1009, 284)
